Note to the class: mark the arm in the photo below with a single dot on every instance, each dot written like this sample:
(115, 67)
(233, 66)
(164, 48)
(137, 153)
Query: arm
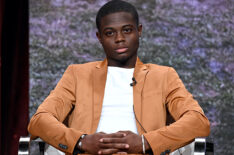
(47, 121)
(190, 119)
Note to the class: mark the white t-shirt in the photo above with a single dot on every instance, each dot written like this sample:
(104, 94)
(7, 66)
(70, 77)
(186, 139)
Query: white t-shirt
(117, 109)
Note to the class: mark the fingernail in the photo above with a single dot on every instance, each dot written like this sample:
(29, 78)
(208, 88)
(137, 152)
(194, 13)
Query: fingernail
(101, 140)
(124, 134)
(127, 146)
(99, 152)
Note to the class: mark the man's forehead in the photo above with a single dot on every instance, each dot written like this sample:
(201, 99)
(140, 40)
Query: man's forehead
(118, 18)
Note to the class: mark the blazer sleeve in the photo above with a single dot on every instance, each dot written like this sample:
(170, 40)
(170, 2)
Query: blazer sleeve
(190, 120)
(47, 124)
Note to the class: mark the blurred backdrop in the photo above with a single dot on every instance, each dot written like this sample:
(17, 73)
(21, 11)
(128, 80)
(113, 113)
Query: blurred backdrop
(196, 37)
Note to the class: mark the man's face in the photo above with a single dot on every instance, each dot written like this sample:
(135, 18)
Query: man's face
(119, 35)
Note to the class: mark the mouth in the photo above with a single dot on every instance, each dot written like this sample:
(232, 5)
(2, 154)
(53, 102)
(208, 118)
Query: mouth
(121, 50)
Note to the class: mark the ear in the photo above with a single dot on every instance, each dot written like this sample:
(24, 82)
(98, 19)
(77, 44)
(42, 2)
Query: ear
(139, 29)
(99, 37)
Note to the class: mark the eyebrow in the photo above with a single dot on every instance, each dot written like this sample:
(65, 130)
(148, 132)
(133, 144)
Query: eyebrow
(106, 28)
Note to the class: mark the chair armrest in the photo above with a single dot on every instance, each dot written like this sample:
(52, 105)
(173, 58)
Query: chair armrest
(202, 147)
(23, 146)
(27, 146)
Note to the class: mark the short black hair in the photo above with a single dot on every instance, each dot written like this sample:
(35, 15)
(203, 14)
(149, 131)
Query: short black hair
(114, 6)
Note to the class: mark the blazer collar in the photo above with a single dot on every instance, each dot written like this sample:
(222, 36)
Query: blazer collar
(139, 65)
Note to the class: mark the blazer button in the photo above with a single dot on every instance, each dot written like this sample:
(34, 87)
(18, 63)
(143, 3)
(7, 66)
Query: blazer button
(63, 146)
(168, 151)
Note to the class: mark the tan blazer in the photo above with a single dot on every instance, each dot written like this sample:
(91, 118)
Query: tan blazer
(74, 107)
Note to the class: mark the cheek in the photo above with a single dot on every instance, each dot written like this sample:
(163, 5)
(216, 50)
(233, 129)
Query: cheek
(107, 42)
(134, 41)
(107, 46)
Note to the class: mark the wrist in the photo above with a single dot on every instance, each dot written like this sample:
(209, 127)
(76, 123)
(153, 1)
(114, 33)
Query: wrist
(80, 143)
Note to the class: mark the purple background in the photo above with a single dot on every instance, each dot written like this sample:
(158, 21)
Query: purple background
(196, 37)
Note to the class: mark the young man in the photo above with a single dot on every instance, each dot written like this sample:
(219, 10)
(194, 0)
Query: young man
(119, 105)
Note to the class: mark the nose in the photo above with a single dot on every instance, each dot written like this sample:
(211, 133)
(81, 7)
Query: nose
(119, 37)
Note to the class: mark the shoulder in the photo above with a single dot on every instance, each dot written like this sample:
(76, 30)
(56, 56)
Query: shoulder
(80, 69)
(160, 69)
(85, 66)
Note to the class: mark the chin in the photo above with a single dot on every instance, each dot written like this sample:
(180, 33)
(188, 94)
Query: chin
(123, 59)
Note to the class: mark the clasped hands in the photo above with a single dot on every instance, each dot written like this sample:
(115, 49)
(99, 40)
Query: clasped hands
(122, 142)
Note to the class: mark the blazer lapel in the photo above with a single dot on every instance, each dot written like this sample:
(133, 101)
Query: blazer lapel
(140, 73)
(99, 81)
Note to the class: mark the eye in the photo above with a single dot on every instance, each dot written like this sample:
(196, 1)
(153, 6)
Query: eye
(109, 33)
(127, 30)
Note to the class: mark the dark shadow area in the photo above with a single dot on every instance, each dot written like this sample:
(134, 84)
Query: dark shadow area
(14, 74)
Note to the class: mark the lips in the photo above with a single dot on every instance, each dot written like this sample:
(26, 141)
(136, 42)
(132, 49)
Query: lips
(121, 50)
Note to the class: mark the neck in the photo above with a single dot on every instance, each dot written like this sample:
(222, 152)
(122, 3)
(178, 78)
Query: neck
(123, 64)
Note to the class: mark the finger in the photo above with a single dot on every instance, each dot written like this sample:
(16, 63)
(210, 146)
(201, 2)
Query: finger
(126, 132)
(107, 151)
(122, 153)
(112, 140)
(115, 146)
(115, 135)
